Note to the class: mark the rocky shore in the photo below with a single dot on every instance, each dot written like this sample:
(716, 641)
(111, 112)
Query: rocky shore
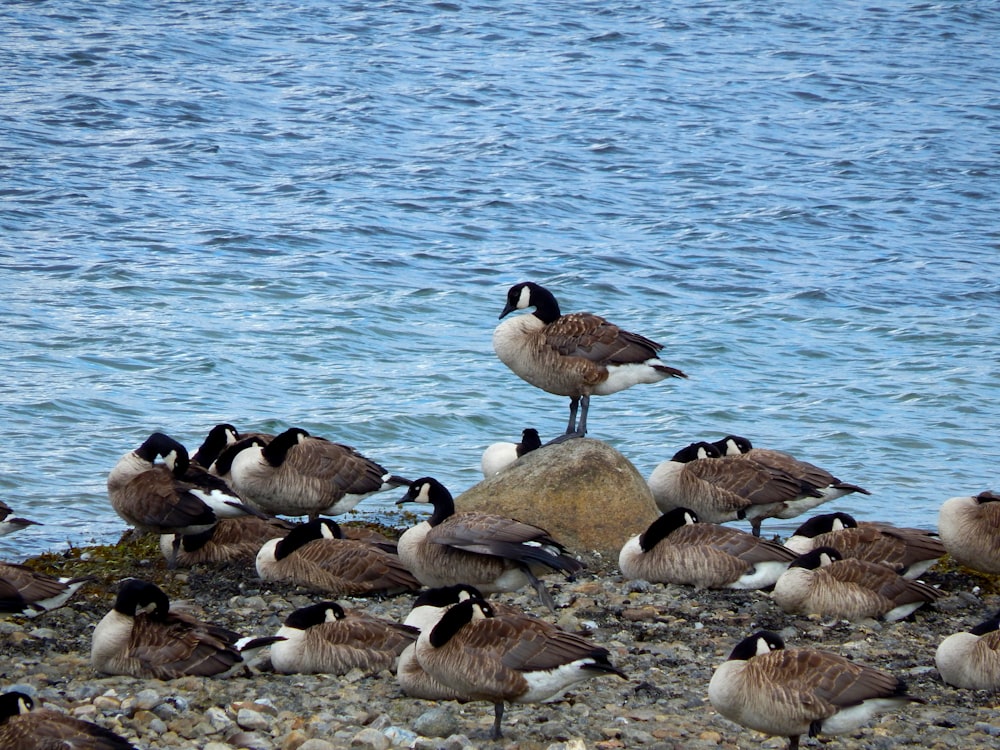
(668, 639)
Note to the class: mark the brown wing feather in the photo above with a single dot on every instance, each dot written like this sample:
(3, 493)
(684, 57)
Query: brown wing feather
(755, 483)
(353, 567)
(735, 542)
(597, 340)
(881, 580)
(45, 729)
(28, 584)
(339, 467)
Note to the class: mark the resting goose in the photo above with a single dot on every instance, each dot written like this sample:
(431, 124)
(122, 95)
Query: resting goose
(721, 489)
(156, 497)
(24, 591)
(216, 441)
(428, 608)
(9, 524)
(970, 530)
(484, 657)
(490, 552)
(972, 659)
(575, 355)
(297, 474)
(326, 638)
(788, 692)
(821, 582)
(676, 548)
(827, 486)
(163, 643)
(229, 540)
(499, 456)
(24, 727)
(909, 552)
(316, 556)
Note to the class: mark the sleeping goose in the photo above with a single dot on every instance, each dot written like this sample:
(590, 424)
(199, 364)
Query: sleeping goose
(721, 489)
(827, 485)
(216, 441)
(484, 657)
(297, 474)
(163, 642)
(427, 610)
(575, 355)
(821, 582)
(490, 552)
(316, 556)
(972, 659)
(24, 591)
(9, 523)
(676, 548)
(970, 530)
(154, 497)
(24, 727)
(326, 638)
(499, 456)
(910, 552)
(229, 540)
(788, 692)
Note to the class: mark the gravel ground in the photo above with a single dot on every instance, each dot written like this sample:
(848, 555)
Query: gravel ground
(668, 639)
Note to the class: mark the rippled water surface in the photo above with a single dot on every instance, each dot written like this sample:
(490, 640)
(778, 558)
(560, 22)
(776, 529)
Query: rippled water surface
(309, 213)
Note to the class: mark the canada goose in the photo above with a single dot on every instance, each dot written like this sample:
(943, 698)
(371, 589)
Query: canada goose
(162, 643)
(216, 441)
(483, 657)
(910, 552)
(972, 659)
(9, 524)
(677, 549)
(297, 474)
(490, 552)
(822, 582)
(795, 691)
(575, 355)
(721, 489)
(154, 498)
(827, 485)
(24, 727)
(427, 610)
(498, 456)
(326, 638)
(970, 530)
(316, 556)
(24, 591)
(229, 540)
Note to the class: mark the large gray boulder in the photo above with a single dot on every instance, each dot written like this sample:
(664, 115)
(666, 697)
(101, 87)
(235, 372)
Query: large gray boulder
(584, 492)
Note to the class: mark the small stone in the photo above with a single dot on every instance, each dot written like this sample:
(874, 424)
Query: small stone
(219, 719)
(370, 738)
(317, 744)
(147, 699)
(436, 722)
(251, 720)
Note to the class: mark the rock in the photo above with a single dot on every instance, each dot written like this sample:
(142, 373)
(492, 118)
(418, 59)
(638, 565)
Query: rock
(371, 739)
(582, 491)
(435, 722)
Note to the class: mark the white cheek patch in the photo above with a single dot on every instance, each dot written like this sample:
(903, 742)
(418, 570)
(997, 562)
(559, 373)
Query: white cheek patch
(524, 300)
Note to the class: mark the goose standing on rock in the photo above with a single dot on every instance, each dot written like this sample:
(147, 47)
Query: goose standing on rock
(721, 489)
(24, 727)
(499, 456)
(490, 552)
(970, 530)
(676, 548)
(316, 555)
(823, 583)
(297, 474)
(910, 552)
(154, 497)
(163, 642)
(9, 523)
(788, 692)
(576, 355)
(325, 638)
(972, 659)
(484, 657)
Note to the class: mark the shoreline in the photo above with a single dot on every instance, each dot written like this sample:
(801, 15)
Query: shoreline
(668, 640)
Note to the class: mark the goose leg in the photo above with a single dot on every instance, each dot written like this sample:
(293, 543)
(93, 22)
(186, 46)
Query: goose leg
(497, 718)
(543, 593)
(571, 428)
(793, 742)
(581, 428)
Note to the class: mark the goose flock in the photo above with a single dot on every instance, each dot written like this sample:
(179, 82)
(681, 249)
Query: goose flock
(265, 500)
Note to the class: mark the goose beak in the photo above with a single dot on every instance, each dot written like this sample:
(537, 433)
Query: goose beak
(508, 308)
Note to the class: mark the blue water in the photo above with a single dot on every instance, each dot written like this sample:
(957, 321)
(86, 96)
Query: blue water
(308, 213)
